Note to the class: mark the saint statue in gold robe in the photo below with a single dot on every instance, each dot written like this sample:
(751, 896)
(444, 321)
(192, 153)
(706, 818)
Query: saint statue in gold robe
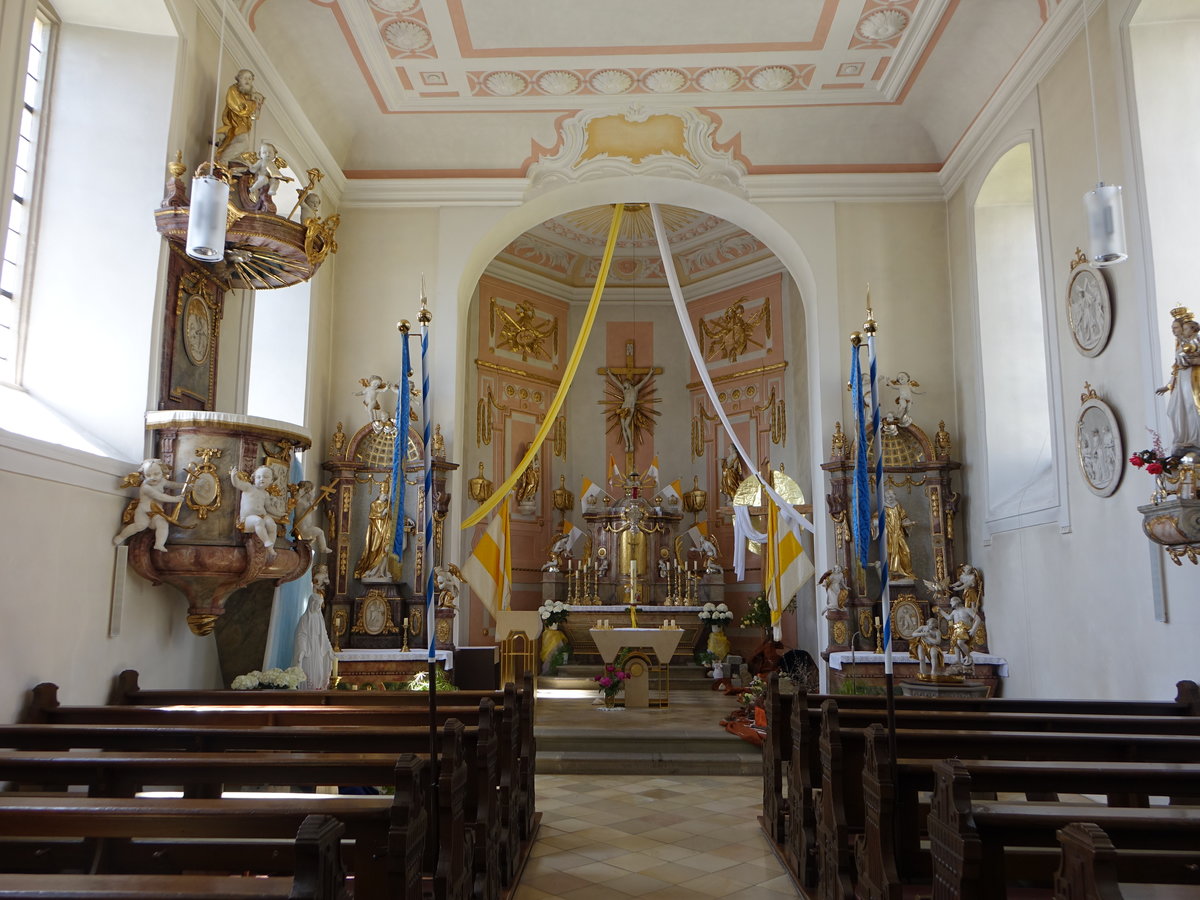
(374, 560)
(242, 106)
(896, 523)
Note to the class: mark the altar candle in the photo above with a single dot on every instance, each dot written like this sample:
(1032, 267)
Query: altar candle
(405, 621)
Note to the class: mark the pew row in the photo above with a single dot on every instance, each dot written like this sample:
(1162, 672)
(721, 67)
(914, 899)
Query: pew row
(777, 749)
(979, 848)
(317, 875)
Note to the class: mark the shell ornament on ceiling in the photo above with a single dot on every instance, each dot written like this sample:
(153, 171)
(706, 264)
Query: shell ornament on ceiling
(395, 7)
(612, 81)
(506, 84)
(664, 81)
(719, 79)
(772, 78)
(558, 82)
(407, 35)
(882, 25)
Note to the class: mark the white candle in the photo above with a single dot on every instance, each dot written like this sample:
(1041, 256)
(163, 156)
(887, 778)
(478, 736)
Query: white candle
(405, 621)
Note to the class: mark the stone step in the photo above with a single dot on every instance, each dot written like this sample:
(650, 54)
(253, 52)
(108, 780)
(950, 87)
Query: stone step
(643, 752)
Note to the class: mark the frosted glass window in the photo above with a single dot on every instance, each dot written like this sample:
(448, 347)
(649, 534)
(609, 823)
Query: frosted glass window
(279, 354)
(12, 266)
(1021, 477)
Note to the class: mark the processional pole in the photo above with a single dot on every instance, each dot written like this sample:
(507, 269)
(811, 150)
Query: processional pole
(424, 317)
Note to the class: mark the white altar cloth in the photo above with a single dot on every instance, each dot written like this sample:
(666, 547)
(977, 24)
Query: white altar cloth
(662, 641)
(446, 657)
(624, 608)
(981, 659)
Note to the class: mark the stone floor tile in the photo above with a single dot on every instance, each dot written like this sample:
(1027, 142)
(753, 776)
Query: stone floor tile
(554, 882)
(634, 862)
(637, 884)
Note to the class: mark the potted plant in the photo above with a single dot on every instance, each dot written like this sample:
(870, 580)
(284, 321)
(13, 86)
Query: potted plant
(609, 683)
(716, 616)
(554, 641)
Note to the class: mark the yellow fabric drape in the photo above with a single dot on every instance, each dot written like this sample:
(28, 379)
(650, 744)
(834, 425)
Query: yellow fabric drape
(568, 375)
(773, 573)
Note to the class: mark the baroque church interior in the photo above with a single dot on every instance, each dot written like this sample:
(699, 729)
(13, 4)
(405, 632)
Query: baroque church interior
(634, 248)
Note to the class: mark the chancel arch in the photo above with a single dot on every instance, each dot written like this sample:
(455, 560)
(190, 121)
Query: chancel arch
(522, 307)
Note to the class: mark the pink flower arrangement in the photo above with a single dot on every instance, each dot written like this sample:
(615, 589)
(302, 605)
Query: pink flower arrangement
(611, 680)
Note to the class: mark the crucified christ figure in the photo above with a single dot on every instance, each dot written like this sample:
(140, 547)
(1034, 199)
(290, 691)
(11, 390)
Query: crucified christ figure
(629, 402)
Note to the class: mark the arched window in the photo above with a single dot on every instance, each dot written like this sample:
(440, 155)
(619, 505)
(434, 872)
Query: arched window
(1021, 475)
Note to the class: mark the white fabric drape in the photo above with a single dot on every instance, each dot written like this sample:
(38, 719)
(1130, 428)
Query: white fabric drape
(743, 531)
(664, 249)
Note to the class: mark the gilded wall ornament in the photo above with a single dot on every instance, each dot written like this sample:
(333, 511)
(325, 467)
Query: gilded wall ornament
(522, 332)
(203, 494)
(732, 333)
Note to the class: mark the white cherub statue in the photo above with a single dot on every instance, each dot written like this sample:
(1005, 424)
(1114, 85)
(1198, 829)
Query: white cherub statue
(448, 580)
(147, 511)
(374, 389)
(252, 514)
(311, 650)
(306, 504)
(266, 174)
(904, 384)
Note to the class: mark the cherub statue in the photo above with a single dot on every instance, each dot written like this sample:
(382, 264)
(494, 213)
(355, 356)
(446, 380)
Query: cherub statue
(904, 384)
(925, 646)
(836, 591)
(265, 169)
(306, 502)
(374, 389)
(964, 623)
(310, 207)
(147, 511)
(970, 583)
(252, 513)
(242, 106)
(448, 579)
(311, 650)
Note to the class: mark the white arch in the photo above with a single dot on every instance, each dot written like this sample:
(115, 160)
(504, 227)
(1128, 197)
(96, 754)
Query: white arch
(708, 199)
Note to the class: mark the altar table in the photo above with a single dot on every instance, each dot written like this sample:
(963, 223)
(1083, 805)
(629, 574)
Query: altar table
(662, 641)
(582, 620)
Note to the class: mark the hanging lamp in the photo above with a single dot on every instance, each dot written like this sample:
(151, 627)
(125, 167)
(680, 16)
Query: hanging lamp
(1103, 205)
(207, 216)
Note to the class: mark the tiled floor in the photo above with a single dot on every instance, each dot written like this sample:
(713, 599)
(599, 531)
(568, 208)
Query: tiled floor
(609, 837)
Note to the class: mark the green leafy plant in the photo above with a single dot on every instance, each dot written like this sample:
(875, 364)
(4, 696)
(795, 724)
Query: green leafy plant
(759, 614)
(420, 682)
(561, 655)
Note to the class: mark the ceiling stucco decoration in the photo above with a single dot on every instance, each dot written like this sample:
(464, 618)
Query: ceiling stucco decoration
(610, 82)
(567, 248)
(641, 140)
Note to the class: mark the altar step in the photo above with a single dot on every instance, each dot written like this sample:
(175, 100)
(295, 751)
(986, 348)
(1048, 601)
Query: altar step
(579, 676)
(606, 751)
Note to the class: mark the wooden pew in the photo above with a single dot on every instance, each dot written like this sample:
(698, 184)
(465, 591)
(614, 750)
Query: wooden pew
(481, 752)
(1091, 867)
(317, 875)
(976, 846)
(451, 859)
(834, 759)
(777, 750)
(127, 692)
(888, 854)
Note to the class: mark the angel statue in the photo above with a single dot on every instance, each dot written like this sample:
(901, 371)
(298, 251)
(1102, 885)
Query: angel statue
(147, 510)
(836, 592)
(904, 384)
(253, 516)
(306, 503)
(557, 551)
(732, 332)
(710, 553)
(448, 579)
(970, 584)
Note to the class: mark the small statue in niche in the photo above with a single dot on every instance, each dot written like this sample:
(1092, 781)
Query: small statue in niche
(374, 562)
(732, 473)
(374, 389)
(243, 105)
(664, 564)
(602, 563)
(437, 443)
(836, 591)
(306, 503)
(1183, 407)
(252, 513)
(526, 487)
(970, 586)
(147, 510)
(963, 623)
(904, 384)
(896, 524)
(448, 580)
(311, 650)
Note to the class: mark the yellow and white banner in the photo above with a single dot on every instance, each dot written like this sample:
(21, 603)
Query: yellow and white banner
(488, 570)
(787, 566)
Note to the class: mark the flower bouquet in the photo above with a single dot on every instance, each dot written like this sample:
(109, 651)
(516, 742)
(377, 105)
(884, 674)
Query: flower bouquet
(270, 679)
(553, 612)
(610, 682)
(715, 614)
(1156, 461)
(554, 643)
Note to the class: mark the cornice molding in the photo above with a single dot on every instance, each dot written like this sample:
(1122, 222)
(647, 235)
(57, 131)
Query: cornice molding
(433, 192)
(845, 187)
(1042, 54)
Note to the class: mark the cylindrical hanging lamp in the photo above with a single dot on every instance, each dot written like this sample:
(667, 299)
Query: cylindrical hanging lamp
(207, 218)
(1106, 224)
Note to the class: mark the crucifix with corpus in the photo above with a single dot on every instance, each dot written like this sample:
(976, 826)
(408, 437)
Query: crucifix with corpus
(629, 401)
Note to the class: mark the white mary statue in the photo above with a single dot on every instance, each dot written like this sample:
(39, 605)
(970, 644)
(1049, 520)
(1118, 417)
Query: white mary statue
(312, 651)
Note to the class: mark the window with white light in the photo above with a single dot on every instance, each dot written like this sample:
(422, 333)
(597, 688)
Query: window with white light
(21, 205)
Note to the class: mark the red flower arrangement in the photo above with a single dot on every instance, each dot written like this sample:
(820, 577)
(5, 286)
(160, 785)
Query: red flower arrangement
(1155, 461)
(611, 680)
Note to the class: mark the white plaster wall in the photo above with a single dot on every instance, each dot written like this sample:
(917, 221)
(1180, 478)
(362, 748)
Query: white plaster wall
(1072, 609)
